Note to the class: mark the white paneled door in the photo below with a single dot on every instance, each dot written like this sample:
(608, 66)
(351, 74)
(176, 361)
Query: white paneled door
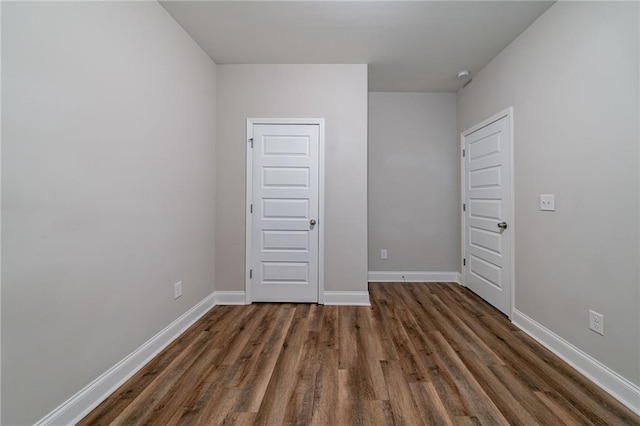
(284, 213)
(487, 221)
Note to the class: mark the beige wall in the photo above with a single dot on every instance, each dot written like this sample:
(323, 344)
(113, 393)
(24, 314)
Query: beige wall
(572, 79)
(413, 182)
(337, 93)
(108, 113)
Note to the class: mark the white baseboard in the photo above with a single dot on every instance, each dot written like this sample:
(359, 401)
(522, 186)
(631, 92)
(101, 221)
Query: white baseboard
(349, 298)
(355, 298)
(617, 386)
(230, 297)
(413, 276)
(80, 404)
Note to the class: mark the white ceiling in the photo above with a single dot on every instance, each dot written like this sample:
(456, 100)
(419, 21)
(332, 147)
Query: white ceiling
(416, 46)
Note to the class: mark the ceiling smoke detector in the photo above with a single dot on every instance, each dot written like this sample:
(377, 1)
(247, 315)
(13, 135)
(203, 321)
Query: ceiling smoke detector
(463, 75)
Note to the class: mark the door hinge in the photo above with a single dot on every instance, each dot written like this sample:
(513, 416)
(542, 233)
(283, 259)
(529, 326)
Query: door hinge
(463, 152)
(464, 207)
(464, 262)
(251, 142)
(251, 209)
(250, 273)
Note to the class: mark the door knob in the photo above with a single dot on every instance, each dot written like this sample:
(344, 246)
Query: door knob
(312, 222)
(502, 225)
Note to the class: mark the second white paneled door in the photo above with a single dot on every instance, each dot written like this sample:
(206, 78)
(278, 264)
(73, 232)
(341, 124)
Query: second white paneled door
(488, 211)
(284, 213)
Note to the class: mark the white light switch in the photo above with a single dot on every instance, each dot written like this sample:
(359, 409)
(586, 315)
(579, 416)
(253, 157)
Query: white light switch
(548, 202)
(383, 254)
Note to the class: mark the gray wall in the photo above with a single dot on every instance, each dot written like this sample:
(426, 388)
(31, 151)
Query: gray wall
(337, 93)
(572, 79)
(413, 182)
(108, 190)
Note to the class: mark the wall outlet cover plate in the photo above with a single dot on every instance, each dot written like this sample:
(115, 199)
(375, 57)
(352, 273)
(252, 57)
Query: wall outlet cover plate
(548, 202)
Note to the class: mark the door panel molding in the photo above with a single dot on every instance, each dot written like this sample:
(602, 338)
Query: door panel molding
(251, 122)
(488, 181)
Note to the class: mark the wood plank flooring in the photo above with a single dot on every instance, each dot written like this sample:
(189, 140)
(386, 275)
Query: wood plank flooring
(421, 354)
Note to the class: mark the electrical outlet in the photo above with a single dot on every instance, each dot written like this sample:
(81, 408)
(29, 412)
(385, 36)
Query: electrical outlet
(596, 322)
(383, 254)
(177, 289)
(548, 202)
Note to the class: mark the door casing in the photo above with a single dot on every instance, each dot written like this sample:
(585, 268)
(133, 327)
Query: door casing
(509, 114)
(249, 197)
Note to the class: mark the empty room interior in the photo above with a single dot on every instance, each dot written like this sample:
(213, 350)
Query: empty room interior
(320, 212)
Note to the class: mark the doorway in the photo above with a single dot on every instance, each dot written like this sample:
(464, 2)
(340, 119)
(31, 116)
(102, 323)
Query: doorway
(487, 219)
(284, 220)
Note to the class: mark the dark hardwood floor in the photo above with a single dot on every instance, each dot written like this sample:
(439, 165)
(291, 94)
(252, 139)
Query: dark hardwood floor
(421, 354)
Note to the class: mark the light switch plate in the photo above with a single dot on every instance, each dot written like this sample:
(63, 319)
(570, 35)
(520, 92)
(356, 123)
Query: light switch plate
(548, 202)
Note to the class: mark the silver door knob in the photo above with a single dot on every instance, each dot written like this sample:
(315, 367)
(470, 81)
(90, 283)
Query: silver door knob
(502, 225)
(312, 222)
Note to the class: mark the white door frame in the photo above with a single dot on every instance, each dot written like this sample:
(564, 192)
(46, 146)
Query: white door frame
(509, 114)
(249, 191)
